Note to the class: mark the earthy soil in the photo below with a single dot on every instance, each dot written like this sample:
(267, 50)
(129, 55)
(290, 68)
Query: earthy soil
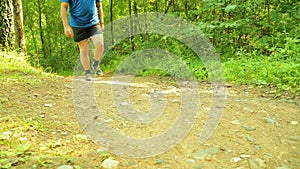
(259, 127)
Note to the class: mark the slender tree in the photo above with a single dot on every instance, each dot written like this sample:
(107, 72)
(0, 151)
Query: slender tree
(131, 25)
(136, 21)
(268, 4)
(42, 37)
(186, 7)
(19, 26)
(168, 5)
(111, 22)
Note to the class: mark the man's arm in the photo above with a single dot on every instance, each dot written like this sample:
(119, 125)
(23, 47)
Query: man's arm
(101, 15)
(64, 17)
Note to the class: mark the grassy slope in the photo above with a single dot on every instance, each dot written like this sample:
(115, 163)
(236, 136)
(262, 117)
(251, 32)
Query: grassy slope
(283, 75)
(12, 64)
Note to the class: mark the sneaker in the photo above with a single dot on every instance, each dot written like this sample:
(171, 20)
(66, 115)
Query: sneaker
(88, 77)
(98, 71)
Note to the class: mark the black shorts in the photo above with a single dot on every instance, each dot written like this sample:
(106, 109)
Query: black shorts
(85, 33)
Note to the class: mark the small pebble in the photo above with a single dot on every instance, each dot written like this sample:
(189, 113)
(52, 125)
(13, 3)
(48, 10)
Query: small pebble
(246, 109)
(271, 121)
(236, 159)
(294, 123)
(159, 161)
(229, 151)
(48, 105)
(212, 150)
(199, 155)
(34, 166)
(65, 167)
(235, 122)
(101, 150)
(124, 103)
(190, 161)
(257, 146)
(295, 138)
(109, 164)
(175, 101)
(245, 156)
(250, 138)
(208, 158)
(248, 128)
(82, 137)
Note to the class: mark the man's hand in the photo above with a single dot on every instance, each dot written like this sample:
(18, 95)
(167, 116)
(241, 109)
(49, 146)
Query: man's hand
(64, 17)
(68, 31)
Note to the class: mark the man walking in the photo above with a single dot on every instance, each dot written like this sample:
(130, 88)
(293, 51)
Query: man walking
(86, 21)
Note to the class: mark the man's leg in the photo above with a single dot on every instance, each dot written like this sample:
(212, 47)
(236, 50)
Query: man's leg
(99, 49)
(84, 57)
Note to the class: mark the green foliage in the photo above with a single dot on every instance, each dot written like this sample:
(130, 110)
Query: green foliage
(246, 34)
(13, 62)
(15, 156)
(159, 55)
(248, 25)
(278, 69)
(15, 148)
(16, 66)
(264, 71)
(60, 52)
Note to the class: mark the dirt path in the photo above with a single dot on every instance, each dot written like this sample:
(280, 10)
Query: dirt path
(256, 130)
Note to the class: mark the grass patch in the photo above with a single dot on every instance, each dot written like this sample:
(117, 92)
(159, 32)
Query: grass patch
(15, 147)
(15, 66)
(282, 74)
(15, 63)
(266, 71)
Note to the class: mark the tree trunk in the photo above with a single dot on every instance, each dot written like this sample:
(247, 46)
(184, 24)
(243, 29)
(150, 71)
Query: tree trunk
(156, 6)
(36, 59)
(168, 4)
(19, 26)
(136, 19)
(174, 6)
(268, 17)
(131, 26)
(111, 22)
(186, 7)
(6, 26)
(42, 37)
(144, 35)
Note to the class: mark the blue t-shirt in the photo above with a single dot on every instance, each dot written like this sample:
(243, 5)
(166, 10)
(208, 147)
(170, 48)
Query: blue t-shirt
(83, 13)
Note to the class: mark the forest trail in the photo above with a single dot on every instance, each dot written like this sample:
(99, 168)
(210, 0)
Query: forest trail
(259, 128)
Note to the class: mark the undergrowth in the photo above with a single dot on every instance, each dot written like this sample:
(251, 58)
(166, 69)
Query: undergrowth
(280, 69)
(16, 66)
(246, 69)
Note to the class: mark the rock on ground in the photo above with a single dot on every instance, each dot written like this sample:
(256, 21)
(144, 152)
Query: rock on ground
(65, 167)
(109, 164)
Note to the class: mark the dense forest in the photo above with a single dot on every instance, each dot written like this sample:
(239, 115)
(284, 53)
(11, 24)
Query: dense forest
(264, 30)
